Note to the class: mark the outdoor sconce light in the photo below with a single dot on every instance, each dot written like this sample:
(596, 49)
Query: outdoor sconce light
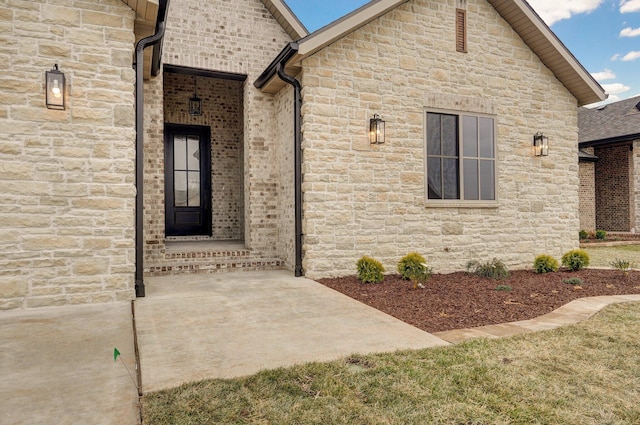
(55, 88)
(540, 144)
(195, 103)
(376, 130)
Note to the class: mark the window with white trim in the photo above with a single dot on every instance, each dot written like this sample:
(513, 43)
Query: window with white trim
(461, 157)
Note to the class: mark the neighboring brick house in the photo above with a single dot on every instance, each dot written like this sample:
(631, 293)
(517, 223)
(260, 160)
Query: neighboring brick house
(610, 176)
(237, 153)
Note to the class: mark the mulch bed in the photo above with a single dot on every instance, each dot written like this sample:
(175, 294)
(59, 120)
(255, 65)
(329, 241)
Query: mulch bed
(460, 300)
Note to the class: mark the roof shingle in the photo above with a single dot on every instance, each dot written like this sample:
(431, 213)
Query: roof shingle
(615, 120)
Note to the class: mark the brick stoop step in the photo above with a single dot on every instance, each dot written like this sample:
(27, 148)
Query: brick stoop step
(213, 261)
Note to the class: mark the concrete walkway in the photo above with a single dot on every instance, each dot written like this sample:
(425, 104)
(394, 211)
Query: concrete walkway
(56, 366)
(57, 363)
(234, 324)
(574, 312)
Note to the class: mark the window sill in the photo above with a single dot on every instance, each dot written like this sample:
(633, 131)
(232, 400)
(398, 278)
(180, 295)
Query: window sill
(461, 204)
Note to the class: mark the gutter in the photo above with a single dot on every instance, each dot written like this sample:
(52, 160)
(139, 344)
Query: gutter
(152, 40)
(610, 140)
(277, 67)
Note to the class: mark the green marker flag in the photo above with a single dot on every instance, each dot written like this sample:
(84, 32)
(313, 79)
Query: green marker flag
(116, 353)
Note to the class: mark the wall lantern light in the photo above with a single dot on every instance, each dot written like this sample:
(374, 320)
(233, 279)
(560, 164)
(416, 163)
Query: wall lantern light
(195, 103)
(540, 144)
(55, 88)
(376, 130)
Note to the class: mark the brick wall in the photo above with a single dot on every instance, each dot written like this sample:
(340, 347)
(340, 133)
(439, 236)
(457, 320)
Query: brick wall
(587, 195)
(614, 208)
(285, 165)
(370, 200)
(239, 37)
(636, 185)
(67, 176)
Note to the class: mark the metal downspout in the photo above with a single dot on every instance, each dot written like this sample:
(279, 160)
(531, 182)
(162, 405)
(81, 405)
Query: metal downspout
(139, 66)
(297, 158)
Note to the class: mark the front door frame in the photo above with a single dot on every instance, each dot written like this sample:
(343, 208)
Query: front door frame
(203, 226)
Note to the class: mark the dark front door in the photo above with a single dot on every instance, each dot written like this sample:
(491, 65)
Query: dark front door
(187, 180)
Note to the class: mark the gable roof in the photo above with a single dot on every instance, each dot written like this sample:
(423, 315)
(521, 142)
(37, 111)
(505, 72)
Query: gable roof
(286, 18)
(551, 51)
(615, 122)
(529, 26)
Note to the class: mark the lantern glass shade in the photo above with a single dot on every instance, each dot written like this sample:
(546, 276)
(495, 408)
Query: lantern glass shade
(55, 89)
(540, 144)
(376, 130)
(195, 105)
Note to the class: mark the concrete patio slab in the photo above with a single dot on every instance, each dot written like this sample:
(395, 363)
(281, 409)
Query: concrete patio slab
(56, 366)
(235, 324)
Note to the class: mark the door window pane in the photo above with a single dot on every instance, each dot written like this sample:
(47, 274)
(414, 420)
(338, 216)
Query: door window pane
(193, 153)
(470, 136)
(194, 188)
(179, 152)
(487, 180)
(471, 179)
(180, 188)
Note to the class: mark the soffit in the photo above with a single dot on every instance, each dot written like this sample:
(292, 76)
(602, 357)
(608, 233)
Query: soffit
(145, 25)
(286, 18)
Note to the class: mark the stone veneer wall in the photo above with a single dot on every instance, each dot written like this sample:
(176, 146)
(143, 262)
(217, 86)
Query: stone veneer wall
(67, 176)
(222, 113)
(587, 194)
(370, 200)
(239, 37)
(614, 186)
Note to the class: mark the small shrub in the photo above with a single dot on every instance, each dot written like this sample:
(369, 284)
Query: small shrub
(583, 234)
(575, 259)
(622, 265)
(494, 269)
(573, 281)
(409, 264)
(370, 270)
(413, 267)
(545, 264)
(503, 288)
(601, 234)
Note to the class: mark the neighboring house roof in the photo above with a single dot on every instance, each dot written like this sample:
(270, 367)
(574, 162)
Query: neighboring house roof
(517, 13)
(286, 18)
(611, 123)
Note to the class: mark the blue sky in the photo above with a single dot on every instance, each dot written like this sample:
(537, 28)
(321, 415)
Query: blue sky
(604, 35)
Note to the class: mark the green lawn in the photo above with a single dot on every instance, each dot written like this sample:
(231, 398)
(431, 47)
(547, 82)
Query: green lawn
(603, 256)
(583, 374)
